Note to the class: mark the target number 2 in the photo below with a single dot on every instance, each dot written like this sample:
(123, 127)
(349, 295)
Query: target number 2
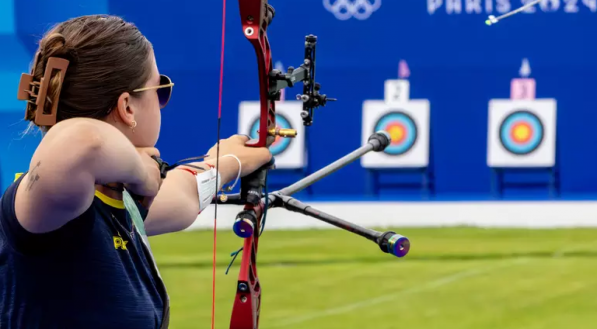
(396, 91)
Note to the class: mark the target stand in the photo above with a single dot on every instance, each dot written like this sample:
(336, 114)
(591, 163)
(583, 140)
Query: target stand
(396, 181)
(406, 163)
(529, 178)
(291, 154)
(522, 146)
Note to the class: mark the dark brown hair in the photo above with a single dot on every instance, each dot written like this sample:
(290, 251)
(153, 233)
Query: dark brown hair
(107, 55)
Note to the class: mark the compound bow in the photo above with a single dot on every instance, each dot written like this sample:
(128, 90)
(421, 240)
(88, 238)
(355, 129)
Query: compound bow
(256, 17)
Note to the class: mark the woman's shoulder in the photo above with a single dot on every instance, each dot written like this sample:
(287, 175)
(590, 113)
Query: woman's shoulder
(23, 241)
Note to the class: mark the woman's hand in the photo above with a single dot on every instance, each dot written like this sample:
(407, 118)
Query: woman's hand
(150, 186)
(251, 158)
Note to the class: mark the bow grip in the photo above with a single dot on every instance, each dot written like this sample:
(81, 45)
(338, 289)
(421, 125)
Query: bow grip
(251, 190)
(252, 185)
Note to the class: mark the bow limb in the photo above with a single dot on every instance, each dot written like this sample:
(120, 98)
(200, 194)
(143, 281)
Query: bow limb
(256, 15)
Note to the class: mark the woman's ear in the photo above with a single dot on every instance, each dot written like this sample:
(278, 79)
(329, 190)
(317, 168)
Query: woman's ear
(125, 111)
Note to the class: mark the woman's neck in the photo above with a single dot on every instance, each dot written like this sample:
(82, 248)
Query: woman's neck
(113, 191)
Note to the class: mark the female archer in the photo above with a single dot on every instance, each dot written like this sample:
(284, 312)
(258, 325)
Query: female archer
(71, 254)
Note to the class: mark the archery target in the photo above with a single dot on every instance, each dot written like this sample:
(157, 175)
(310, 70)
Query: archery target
(289, 153)
(402, 130)
(408, 126)
(522, 133)
(280, 144)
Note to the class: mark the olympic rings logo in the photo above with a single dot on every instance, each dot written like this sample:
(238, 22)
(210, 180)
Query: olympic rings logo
(347, 9)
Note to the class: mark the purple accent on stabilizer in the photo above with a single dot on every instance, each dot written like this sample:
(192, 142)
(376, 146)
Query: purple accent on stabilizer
(243, 228)
(399, 245)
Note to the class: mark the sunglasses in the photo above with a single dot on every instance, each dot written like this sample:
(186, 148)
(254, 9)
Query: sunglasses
(164, 90)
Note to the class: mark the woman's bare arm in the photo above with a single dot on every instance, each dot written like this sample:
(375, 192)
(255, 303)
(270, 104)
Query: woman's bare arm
(73, 156)
(177, 204)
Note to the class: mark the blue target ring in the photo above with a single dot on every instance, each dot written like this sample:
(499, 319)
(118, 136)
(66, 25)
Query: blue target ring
(402, 129)
(280, 144)
(521, 132)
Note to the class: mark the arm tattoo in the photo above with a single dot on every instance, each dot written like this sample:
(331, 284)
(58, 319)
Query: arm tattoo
(33, 177)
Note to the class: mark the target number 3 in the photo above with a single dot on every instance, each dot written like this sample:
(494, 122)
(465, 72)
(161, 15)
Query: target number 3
(523, 89)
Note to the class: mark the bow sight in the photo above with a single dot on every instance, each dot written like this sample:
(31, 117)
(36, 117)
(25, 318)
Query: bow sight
(305, 73)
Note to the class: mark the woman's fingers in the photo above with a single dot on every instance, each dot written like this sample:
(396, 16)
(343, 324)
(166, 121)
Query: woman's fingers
(241, 138)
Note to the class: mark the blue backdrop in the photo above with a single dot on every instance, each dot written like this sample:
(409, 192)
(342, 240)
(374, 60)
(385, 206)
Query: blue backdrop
(456, 62)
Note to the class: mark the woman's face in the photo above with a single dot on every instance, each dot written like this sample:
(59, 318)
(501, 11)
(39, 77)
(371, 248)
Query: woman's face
(144, 109)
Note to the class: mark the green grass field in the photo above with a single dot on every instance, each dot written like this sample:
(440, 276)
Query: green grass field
(453, 278)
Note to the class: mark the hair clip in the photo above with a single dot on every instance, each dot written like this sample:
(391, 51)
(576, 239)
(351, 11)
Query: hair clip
(36, 92)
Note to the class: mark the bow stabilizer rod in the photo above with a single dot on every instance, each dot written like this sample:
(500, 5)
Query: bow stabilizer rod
(389, 242)
(377, 142)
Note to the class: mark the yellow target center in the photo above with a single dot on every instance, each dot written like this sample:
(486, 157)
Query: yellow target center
(522, 133)
(396, 133)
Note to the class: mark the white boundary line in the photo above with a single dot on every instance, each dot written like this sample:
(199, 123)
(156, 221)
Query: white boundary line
(389, 297)
(536, 214)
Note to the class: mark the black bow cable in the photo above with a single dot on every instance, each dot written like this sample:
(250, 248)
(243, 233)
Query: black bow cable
(164, 168)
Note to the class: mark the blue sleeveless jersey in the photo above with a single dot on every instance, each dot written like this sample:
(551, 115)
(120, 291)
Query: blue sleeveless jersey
(93, 272)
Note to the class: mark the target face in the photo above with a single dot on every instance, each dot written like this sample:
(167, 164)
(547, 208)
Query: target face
(402, 130)
(280, 144)
(521, 132)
